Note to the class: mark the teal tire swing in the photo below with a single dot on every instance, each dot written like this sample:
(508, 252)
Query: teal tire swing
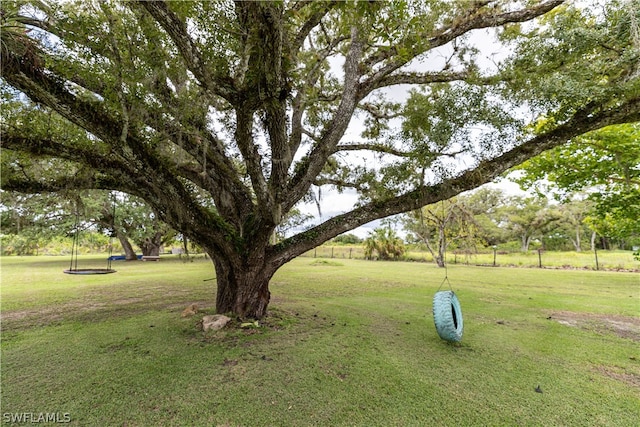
(447, 315)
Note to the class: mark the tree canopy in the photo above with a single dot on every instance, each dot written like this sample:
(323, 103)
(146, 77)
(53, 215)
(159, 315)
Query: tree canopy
(223, 116)
(605, 163)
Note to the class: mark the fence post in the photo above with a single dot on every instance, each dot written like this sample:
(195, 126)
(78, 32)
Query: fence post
(595, 251)
(315, 252)
(331, 251)
(494, 255)
(350, 250)
(540, 258)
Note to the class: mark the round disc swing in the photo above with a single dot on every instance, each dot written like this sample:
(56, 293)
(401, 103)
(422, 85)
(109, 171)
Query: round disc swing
(73, 267)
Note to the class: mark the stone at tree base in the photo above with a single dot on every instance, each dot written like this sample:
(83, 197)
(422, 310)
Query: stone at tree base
(214, 322)
(190, 311)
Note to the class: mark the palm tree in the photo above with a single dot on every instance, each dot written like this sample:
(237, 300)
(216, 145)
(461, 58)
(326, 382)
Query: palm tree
(385, 242)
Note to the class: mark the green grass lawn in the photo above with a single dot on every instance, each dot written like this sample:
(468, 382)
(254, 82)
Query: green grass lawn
(348, 342)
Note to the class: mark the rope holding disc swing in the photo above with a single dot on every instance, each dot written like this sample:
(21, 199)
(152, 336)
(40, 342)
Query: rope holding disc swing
(75, 247)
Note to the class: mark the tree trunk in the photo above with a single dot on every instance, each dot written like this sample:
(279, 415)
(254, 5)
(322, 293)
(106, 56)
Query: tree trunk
(243, 287)
(151, 250)
(129, 253)
(151, 246)
(185, 246)
(578, 243)
(437, 256)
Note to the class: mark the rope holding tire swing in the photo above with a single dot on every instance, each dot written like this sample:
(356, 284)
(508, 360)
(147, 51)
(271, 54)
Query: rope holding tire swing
(447, 313)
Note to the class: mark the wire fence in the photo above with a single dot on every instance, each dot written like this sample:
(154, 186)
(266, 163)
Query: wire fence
(591, 260)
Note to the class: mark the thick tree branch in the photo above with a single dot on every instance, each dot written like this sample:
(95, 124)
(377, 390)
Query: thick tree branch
(44, 89)
(231, 196)
(80, 182)
(44, 147)
(376, 113)
(310, 24)
(252, 157)
(422, 78)
(281, 156)
(583, 121)
(480, 20)
(96, 170)
(162, 191)
(473, 19)
(267, 26)
(301, 100)
(311, 166)
(339, 183)
(378, 148)
(217, 84)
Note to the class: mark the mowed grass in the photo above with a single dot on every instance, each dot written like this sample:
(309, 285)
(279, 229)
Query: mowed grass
(348, 342)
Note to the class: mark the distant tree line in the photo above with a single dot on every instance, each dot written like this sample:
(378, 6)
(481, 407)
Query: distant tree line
(30, 222)
(490, 218)
(586, 196)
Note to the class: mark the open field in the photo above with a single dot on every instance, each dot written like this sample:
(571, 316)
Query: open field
(348, 342)
(607, 260)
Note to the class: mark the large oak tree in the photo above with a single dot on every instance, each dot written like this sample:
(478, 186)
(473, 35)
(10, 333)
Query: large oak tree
(223, 116)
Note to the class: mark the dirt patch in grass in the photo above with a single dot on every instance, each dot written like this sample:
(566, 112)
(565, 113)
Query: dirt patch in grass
(622, 326)
(626, 377)
(87, 311)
